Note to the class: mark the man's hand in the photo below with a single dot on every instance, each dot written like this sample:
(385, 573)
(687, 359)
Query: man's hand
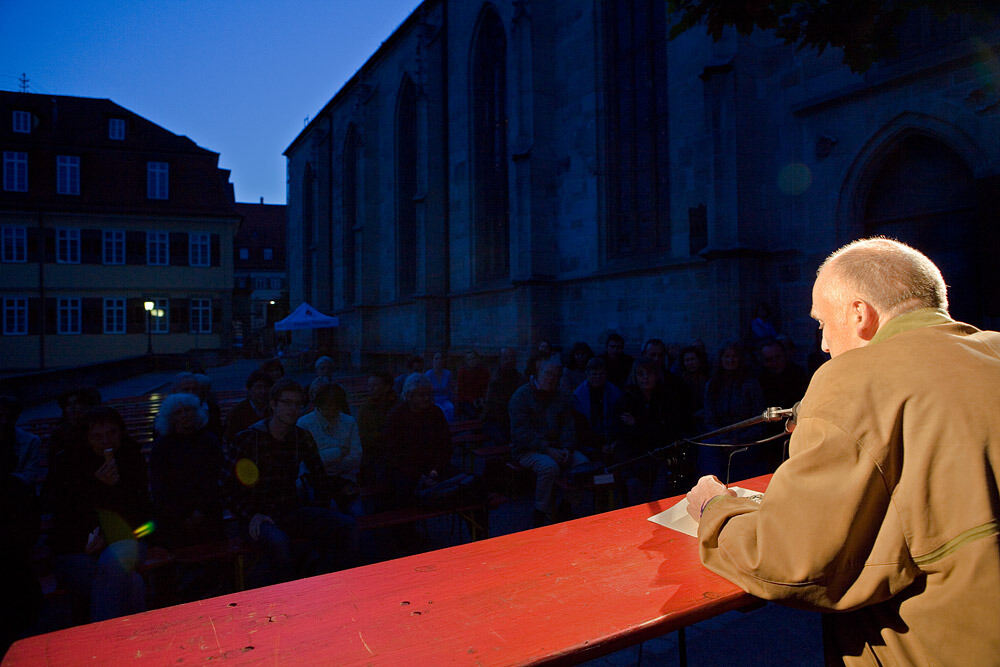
(108, 472)
(707, 488)
(256, 522)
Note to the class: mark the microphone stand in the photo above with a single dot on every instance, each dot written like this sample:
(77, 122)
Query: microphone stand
(769, 415)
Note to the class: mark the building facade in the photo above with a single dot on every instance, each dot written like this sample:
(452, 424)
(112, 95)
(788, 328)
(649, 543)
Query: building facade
(260, 296)
(116, 236)
(501, 172)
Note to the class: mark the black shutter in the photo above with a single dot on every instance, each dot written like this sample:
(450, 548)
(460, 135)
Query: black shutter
(135, 316)
(179, 249)
(90, 246)
(50, 316)
(50, 245)
(216, 261)
(216, 315)
(34, 244)
(135, 247)
(34, 316)
(92, 315)
(179, 316)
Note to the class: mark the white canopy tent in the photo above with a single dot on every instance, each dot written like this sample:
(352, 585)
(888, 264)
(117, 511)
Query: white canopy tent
(306, 317)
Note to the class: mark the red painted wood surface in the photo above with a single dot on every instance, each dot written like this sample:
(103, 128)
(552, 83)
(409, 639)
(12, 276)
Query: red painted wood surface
(561, 593)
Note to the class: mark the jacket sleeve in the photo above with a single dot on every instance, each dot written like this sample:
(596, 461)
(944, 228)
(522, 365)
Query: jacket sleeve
(826, 535)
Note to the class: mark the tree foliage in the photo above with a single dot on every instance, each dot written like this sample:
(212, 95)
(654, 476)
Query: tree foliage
(864, 29)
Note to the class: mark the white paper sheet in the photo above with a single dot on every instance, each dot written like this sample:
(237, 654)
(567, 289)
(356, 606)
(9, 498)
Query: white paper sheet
(677, 517)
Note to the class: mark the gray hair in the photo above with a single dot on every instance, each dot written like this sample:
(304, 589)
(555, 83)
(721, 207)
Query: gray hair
(415, 381)
(322, 360)
(163, 422)
(891, 276)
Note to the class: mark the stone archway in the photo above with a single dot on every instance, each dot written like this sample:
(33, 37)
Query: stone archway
(923, 193)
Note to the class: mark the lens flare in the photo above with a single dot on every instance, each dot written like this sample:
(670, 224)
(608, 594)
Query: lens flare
(247, 472)
(145, 529)
(794, 178)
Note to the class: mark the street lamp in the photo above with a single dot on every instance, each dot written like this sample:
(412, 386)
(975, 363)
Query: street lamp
(148, 305)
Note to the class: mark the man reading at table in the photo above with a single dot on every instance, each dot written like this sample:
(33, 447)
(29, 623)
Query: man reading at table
(886, 510)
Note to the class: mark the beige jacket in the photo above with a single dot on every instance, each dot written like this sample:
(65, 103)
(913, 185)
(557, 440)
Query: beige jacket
(886, 510)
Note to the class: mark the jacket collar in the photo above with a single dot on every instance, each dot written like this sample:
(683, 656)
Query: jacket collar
(914, 319)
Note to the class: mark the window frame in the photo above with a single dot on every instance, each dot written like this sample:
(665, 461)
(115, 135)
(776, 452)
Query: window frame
(200, 249)
(119, 125)
(115, 238)
(200, 315)
(68, 174)
(67, 245)
(13, 244)
(19, 306)
(160, 325)
(157, 180)
(268, 254)
(23, 127)
(158, 244)
(114, 306)
(68, 316)
(15, 171)
(244, 254)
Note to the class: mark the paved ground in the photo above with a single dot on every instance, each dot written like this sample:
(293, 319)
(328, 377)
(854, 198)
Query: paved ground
(768, 636)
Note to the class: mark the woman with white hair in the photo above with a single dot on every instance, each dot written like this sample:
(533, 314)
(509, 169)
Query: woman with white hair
(336, 434)
(185, 469)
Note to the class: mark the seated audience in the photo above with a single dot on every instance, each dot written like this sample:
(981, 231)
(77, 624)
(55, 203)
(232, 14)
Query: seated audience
(336, 434)
(265, 496)
(782, 382)
(617, 363)
(694, 373)
(543, 352)
(470, 387)
(444, 390)
(371, 427)
(324, 368)
(543, 436)
(24, 449)
(251, 409)
(185, 472)
(575, 367)
(73, 403)
(504, 382)
(274, 368)
(99, 495)
(599, 405)
(414, 364)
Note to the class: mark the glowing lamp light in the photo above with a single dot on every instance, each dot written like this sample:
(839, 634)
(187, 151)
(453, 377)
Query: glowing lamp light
(148, 305)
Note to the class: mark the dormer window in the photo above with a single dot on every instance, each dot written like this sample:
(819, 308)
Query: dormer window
(116, 129)
(22, 122)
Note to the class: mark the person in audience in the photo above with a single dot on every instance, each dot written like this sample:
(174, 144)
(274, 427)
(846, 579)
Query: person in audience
(264, 494)
(762, 328)
(543, 351)
(414, 364)
(673, 386)
(73, 403)
(100, 499)
(470, 387)
(24, 448)
(598, 405)
(274, 368)
(324, 368)
(543, 436)
(653, 417)
(336, 434)
(200, 385)
(782, 382)
(505, 381)
(444, 390)
(695, 376)
(251, 409)
(575, 367)
(185, 472)
(617, 363)
(732, 395)
(371, 427)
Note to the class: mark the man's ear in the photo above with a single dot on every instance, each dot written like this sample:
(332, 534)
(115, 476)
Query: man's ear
(865, 319)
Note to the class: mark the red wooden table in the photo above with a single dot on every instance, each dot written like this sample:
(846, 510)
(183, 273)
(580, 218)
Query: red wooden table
(562, 593)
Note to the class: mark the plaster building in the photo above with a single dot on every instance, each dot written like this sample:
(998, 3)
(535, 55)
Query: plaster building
(116, 235)
(260, 296)
(500, 172)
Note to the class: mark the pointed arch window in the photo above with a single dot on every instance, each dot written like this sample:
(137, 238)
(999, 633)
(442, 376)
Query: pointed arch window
(490, 188)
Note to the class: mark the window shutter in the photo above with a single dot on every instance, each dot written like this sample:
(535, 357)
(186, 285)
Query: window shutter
(179, 316)
(34, 316)
(216, 261)
(92, 315)
(179, 249)
(35, 244)
(90, 246)
(50, 316)
(216, 315)
(50, 245)
(135, 316)
(135, 247)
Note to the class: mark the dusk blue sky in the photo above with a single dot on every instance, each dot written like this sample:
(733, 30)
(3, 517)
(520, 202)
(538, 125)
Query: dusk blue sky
(239, 77)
